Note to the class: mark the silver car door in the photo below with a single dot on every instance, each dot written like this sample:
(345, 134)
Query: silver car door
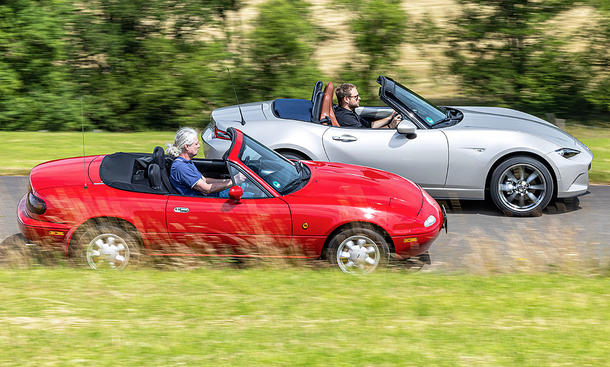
(423, 159)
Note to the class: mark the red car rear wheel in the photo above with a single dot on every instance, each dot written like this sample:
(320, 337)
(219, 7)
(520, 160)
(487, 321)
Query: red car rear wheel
(106, 246)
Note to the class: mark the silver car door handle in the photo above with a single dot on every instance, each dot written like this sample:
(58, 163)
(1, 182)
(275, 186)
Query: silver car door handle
(345, 138)
(181, 210)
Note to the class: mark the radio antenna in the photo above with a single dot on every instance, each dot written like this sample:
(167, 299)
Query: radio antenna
(82, 124)
(243, 122)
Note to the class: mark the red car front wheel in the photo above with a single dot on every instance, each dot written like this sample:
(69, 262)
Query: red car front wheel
(358, 250)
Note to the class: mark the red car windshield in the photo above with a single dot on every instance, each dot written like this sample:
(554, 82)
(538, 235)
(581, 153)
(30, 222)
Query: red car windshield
(283, 175)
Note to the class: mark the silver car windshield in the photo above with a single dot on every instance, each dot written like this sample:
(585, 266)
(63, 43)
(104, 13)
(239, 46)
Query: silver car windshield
(426, 111)
(277, 171)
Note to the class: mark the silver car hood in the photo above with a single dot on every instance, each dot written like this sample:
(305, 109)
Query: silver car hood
(508, 119)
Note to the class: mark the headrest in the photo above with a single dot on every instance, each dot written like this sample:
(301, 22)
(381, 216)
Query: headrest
(159, 156)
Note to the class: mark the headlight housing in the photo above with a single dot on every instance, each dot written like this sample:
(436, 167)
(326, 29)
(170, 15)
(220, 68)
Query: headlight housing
(430, 221)
(568, 152)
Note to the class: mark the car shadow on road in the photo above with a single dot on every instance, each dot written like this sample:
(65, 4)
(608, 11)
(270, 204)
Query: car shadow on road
(486, 207)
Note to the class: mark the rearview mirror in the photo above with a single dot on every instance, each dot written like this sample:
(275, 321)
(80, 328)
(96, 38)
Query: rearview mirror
(407, 128)
(236, 192)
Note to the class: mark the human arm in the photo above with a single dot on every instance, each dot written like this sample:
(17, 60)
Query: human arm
(208, 185)
(387, 122)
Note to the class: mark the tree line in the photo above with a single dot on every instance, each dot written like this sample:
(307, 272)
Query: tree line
(124, 65)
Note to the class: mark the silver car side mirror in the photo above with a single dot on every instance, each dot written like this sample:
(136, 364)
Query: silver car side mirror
(407, 128)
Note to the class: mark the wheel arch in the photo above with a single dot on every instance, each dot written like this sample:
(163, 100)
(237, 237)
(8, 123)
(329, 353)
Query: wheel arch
(516, 154)
(370, 225)
(99, 221)
(293, 151)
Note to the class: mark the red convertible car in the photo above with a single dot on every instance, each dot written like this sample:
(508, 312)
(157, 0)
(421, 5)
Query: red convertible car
(109, 210)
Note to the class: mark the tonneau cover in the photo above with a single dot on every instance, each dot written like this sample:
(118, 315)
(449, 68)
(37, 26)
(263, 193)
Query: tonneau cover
(128, 171)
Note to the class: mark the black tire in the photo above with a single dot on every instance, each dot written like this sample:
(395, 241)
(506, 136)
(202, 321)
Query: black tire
(105, 246)
(358, 249)
(293, 155)
(521, 186)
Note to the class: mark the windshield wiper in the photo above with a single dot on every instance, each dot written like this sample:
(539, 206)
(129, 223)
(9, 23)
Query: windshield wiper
(296, 183)
(304, 176)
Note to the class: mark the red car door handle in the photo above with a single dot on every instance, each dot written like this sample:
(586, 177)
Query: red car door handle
(179, 209)
(345, 138)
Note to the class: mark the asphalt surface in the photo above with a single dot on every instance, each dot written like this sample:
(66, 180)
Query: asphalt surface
(571, 234)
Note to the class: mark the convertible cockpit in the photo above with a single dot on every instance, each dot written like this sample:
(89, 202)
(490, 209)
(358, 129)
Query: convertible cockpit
(149, 173)
(317, 110)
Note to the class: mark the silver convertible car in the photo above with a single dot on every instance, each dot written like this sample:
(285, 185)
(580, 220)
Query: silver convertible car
(520, 161)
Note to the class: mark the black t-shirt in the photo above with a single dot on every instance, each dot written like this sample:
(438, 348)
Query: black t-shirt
(347, 118)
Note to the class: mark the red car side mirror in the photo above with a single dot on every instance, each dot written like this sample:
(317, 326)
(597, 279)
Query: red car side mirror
(236, 192)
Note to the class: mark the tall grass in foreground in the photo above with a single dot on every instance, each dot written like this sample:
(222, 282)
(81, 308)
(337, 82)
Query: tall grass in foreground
(300, 317)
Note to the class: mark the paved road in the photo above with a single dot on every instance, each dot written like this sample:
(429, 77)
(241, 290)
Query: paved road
(569, 234)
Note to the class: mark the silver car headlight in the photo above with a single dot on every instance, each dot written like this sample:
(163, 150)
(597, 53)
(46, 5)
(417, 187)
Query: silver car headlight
(430, 221)
(567, 152)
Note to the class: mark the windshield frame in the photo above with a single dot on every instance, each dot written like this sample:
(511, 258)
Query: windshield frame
(282, 172)
(387, 93)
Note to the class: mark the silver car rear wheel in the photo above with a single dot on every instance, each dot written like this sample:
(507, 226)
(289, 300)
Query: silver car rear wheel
(521, 186)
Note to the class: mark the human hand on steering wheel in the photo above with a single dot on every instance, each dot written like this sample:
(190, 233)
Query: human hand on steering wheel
(239, 178)
(395, 119)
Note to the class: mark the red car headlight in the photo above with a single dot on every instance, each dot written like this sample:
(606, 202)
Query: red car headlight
(430, 221)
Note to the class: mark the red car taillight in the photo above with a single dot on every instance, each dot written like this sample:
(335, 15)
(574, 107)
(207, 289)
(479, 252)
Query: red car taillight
(35, 204)
(221, 134)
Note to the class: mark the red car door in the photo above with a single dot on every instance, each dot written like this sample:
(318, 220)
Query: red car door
(201, 225)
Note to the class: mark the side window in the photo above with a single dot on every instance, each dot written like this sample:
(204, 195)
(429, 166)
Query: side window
(251, 188)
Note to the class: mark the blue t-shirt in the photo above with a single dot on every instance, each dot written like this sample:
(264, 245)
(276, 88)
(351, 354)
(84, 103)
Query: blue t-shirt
(184, 175)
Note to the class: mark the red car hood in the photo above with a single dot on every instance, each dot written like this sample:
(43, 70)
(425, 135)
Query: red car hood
(357, 185)
(65, 172)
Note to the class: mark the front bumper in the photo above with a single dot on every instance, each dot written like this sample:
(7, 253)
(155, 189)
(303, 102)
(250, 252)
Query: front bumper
(416, 244)
(572, 173)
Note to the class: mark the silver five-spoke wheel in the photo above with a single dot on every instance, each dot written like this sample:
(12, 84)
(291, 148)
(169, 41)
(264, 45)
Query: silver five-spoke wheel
(521, 186)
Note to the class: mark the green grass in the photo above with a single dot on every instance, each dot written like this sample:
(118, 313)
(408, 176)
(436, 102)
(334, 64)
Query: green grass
(300, 317)
(23, 150)
(598, 140)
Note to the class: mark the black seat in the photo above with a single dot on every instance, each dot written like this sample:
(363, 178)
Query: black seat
(316, 107)
(159, 159)
(317, 88)
(154, 176)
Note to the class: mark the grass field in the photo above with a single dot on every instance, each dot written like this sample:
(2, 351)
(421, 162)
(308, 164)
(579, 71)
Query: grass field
(300, 317)
(24, 150)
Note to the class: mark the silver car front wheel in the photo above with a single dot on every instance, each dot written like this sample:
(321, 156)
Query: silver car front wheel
(521, 186)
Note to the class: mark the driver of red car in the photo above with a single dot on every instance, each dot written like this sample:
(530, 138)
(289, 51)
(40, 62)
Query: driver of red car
(184, 176)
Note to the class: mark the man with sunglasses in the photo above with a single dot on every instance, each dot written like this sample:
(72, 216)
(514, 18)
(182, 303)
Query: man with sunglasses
(349, 99)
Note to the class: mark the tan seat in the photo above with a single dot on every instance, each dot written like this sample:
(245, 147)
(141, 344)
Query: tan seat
(327, 105)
